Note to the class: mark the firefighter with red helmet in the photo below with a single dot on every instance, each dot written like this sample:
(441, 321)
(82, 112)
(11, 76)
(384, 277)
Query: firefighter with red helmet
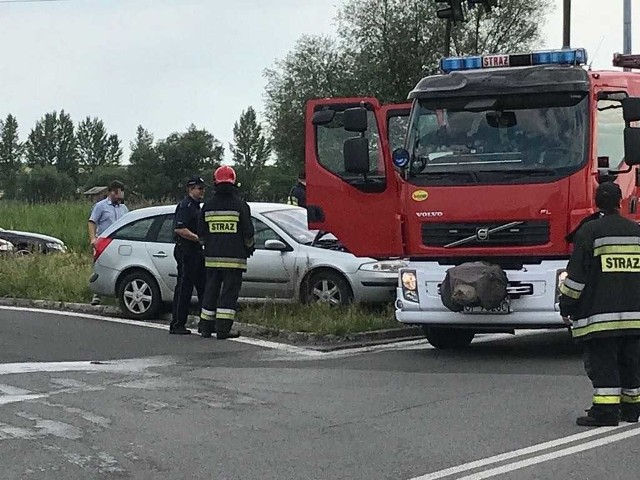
(226, 230)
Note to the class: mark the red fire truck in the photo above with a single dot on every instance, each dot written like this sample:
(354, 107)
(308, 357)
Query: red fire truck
(494, 160)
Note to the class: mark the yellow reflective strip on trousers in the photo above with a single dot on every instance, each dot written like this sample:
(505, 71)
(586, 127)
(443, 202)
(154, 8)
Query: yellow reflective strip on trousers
(620, 263)
(615, 249)
(206, 316)
(606, 399)
(630, 399)
(606, 327)
(570, 292)
(225, 316)
(218, 264)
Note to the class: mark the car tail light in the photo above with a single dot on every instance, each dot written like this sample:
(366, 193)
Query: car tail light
(101, 244)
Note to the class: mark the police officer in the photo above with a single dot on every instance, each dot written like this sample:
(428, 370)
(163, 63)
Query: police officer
(298, 194)
(600, 302)
(188, 254)
(226, 229)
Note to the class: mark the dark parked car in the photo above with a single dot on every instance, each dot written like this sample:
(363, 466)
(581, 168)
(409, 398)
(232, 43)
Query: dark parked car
(25, 243)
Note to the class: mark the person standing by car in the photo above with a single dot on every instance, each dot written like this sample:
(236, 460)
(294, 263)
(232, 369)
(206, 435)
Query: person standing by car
(298, 194)
(104, 214)
(226, 229)
(600, 302)
(188, 255)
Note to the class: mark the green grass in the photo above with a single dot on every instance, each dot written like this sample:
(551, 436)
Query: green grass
(66, 221)
(58, 277)
(320, 319)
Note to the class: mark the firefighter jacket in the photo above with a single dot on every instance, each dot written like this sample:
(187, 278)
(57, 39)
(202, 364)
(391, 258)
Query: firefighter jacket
(226, 229)
(298, 195)
(601, 291)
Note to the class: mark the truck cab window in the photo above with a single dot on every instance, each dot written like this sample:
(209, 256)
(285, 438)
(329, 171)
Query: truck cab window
(330, 142)
(610, 138)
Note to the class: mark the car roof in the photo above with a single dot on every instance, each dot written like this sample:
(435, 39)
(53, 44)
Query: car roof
(256, 207)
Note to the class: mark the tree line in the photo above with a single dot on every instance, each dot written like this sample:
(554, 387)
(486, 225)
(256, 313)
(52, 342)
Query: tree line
(381, 48)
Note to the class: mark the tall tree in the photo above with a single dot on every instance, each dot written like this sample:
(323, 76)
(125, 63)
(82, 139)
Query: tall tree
(250, 152)
(384, 47)
(145, 169)
(317, 67)
(95, 146)
(52, 142)
(10, 156)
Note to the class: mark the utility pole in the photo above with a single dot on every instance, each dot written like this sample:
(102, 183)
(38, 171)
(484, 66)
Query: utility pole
(627, 30)
(566, 20)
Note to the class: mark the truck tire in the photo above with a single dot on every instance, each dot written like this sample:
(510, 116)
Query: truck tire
(448, 338)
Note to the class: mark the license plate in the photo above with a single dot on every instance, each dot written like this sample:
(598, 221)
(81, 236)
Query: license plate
(503, 309)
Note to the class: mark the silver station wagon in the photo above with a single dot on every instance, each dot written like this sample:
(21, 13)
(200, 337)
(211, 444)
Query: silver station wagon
(134, 262)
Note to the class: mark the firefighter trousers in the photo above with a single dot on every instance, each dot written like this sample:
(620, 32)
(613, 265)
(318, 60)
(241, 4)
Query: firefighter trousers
(613, 366)
(190, 274)
(220, 299)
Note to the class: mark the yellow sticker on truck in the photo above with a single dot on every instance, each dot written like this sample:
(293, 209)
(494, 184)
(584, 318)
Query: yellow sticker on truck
(620, 263)
(420, 195)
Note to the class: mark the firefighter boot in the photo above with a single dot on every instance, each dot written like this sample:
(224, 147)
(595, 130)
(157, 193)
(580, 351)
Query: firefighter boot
(206, 328)
(629, 413)
(599, 418)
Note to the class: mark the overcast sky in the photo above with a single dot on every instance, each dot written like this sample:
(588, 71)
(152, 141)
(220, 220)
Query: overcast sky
(168, 63)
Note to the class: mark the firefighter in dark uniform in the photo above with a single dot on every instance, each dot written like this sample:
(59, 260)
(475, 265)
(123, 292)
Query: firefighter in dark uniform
(188, 254)
(298, 194)
(601, 302)
(226, 229)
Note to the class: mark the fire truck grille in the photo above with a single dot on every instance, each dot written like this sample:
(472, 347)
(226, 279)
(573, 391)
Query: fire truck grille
(486, 234)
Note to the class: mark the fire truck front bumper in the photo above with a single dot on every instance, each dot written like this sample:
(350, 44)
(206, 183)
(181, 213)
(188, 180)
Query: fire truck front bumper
(532, 300)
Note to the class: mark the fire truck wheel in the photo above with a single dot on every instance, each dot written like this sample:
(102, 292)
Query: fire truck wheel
(328, 287)
(448, 338)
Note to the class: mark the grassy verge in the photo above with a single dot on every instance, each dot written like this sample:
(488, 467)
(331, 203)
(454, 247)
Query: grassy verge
(59, 277)
(319, 319)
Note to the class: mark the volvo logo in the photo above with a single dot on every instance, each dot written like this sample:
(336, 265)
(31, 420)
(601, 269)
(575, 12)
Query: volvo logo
(482, 234)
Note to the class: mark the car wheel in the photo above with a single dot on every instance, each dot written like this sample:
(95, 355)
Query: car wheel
(139, 295)
(23, 252)
(448, 338)
(329, 288)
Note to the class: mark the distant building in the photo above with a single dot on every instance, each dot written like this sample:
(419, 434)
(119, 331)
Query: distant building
(95, 194)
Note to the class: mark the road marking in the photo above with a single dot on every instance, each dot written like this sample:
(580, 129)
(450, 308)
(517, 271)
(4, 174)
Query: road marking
(129, 365)
(553, 455)
(528, 451)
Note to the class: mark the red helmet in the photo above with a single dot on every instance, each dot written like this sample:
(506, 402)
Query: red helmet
(224, 174)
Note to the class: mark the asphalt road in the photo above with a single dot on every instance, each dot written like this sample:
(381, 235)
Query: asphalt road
(82, 398)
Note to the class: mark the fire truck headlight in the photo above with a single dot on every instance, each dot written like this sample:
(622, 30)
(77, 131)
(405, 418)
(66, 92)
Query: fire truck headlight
(409, 283)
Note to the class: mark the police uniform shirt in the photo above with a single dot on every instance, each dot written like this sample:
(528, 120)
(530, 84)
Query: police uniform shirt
(186, 216)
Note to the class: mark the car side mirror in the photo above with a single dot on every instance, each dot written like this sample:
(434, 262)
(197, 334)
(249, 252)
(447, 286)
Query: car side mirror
(355, 120)
(356, 155)
(276, 245)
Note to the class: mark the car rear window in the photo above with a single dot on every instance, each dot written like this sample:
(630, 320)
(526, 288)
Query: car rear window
(138, 230)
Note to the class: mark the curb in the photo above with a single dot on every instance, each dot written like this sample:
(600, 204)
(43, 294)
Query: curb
(325, 342)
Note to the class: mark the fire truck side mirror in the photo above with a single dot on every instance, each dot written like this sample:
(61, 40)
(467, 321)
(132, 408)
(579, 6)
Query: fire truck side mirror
(355, 120)
(631, 109)
(356, 155)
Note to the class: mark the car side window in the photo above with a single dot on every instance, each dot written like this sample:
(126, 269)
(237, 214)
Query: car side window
(165, 234)
(263, 233)
(138, 230)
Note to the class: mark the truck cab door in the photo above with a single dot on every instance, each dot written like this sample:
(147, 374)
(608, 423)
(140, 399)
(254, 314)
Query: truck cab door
(362, 211)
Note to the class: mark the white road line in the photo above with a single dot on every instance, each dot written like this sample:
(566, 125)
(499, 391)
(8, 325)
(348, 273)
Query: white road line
(129, 365)
(517, 453)
(552, 455)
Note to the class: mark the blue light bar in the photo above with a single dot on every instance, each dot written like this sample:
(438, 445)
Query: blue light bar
(576, 56)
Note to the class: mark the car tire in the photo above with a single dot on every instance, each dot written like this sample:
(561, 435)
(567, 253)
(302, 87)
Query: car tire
(448, 338)
(327, 287)
(139, 295)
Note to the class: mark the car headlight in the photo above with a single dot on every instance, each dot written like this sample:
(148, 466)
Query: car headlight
(409, 284)
(57, 246)
(389, 266)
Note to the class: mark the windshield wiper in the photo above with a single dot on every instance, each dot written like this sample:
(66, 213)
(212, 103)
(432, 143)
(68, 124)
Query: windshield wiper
(531, 171)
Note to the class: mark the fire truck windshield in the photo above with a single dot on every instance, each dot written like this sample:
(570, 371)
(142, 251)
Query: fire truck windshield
(498, 139)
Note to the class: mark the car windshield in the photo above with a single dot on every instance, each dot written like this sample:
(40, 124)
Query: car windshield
(294, 222)
(540, 133)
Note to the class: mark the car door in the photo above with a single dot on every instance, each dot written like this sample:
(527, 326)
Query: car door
(270, 273)
(160, 247)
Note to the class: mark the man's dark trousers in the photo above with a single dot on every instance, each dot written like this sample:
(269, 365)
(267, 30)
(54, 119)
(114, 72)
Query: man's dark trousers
(613, 365)
(220, 299)
(191, 274)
